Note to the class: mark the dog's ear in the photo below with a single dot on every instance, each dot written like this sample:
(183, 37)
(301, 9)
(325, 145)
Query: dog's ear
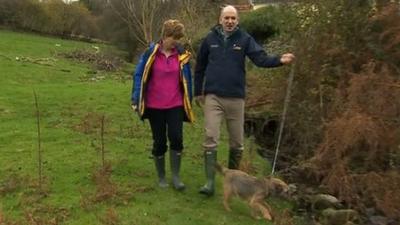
(282, 189)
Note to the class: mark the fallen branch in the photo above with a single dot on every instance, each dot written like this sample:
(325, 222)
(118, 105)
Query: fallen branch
(4, 56)
(40, 61)
(391, 85)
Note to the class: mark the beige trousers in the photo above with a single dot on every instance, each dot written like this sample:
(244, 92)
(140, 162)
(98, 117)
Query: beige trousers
(215, 109)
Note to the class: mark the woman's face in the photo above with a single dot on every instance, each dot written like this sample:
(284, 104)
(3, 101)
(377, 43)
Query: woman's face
(170, 42)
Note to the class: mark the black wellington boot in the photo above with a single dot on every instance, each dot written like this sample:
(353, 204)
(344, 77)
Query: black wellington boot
(235, 156)
(210, 159)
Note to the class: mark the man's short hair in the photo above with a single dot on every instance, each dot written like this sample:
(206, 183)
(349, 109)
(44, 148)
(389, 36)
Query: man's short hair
(173, 28)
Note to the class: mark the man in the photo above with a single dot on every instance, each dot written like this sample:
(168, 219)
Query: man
(220, 86)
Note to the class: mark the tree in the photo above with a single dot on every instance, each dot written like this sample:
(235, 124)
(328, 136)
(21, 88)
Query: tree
(142, 17)
(95, 6)
(189, 12)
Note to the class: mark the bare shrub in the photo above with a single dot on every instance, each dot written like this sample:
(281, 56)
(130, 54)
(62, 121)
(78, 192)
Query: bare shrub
(46, 215)
(110, 217)
(90, 123)
(360, 142)
(386, 30)
(11, 183)
(343, 128)
(5, 220)
(362, 139)
(380, 189)
(105, 188)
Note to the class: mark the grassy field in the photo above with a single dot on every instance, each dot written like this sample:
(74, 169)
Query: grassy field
(72, 100)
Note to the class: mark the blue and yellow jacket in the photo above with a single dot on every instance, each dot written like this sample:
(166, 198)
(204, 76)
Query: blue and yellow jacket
(142, 75)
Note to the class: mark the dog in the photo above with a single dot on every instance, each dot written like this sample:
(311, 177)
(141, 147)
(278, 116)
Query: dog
(251, 189)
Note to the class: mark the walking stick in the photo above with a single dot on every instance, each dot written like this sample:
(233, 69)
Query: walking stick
(287, 100)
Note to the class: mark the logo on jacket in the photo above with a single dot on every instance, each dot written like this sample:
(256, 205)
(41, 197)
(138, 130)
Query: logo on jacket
(214, 46)
(237, 47)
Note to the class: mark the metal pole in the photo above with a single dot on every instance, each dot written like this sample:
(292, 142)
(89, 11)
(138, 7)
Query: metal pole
(287, 100)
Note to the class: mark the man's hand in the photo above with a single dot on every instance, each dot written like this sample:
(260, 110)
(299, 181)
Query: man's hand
(199, 100)
(287, 58)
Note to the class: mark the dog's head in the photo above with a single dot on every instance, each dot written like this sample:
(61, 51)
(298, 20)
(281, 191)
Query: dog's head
(278, 187)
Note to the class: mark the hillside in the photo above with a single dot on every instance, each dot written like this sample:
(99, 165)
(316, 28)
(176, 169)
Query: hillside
(76, 188)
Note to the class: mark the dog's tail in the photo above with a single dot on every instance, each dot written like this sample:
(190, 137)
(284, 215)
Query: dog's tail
(221, 169)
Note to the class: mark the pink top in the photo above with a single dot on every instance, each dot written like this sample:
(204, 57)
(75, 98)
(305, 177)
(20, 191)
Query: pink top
(163, 90)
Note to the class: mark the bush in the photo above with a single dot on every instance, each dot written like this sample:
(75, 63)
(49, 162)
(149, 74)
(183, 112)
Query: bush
(266, 22)
(342, 126)
(8, 11)
(48, 17)
(32, 16)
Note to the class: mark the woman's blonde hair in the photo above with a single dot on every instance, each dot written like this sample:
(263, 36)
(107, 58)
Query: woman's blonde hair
(173, 28)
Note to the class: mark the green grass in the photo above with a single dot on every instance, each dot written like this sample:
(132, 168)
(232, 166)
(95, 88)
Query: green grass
(70, 105)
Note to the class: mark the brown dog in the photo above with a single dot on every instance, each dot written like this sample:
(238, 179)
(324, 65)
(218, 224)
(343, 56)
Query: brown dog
(252, 189)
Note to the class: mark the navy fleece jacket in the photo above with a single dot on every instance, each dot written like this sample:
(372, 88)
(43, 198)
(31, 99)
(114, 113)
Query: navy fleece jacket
(220, 65)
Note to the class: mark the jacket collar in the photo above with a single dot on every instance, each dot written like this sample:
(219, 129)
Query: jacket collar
(184, 55)
(218, 29)
(174, 51)
(179, 47)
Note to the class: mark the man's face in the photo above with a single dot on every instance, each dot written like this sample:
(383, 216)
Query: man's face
(229, 20)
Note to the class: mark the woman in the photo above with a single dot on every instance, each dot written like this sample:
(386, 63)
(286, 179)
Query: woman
(162, 93)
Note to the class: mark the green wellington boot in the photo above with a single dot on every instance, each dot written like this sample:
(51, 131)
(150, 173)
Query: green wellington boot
(160, 167)
(175, 160)
(210, 159)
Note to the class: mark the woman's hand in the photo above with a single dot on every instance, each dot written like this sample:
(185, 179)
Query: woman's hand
(134, 107)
